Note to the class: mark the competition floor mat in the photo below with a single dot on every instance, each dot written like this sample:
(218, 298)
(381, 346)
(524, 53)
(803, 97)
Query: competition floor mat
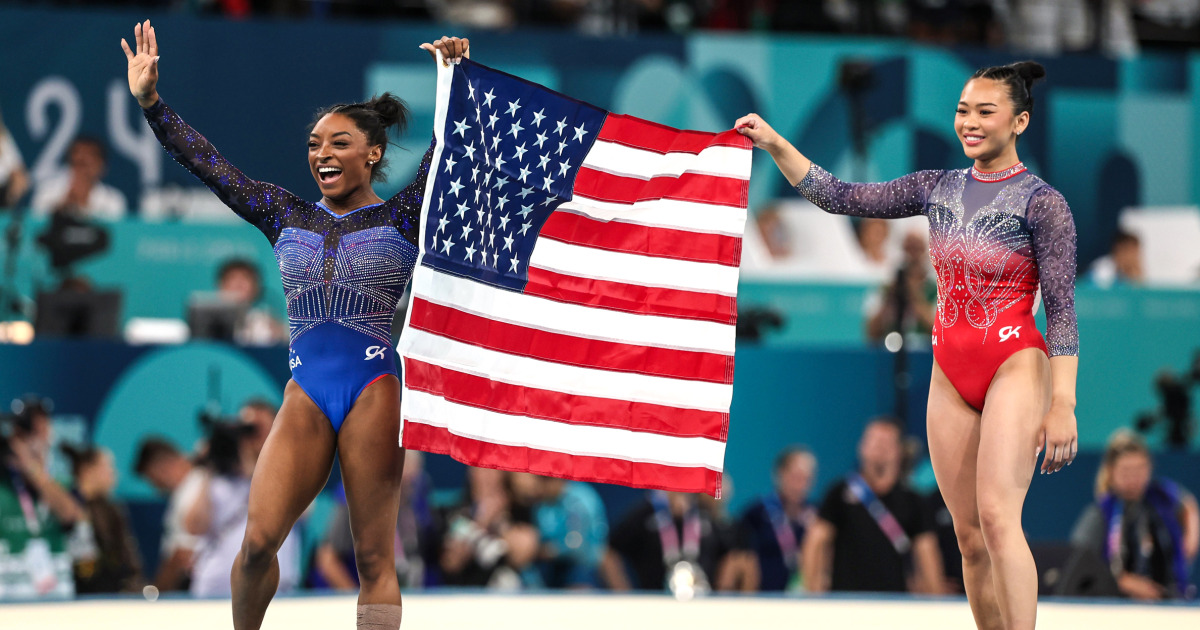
(478, 611)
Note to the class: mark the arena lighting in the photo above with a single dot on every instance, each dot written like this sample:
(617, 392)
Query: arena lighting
(18, 332)
(894, 341)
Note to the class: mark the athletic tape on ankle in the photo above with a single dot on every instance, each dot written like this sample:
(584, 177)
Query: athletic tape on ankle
(379, 617)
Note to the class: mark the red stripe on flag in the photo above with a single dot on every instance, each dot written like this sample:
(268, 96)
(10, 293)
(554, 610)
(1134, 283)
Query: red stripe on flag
(643, 134)
(431, 439)
(571, 350)
(631, 298)
(709, 189)
(660, 242)
(545, 404)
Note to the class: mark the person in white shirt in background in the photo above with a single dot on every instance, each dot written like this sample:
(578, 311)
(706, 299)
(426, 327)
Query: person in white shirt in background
(163, 466)
(78, 191)
(14, 179)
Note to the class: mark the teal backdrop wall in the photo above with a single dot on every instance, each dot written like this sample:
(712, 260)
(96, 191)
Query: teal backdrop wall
(1107, 133)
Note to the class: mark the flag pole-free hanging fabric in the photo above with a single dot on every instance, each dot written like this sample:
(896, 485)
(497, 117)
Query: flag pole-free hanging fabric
(574, 302)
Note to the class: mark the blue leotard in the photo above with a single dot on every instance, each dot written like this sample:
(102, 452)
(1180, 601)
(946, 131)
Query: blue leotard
(342, 275)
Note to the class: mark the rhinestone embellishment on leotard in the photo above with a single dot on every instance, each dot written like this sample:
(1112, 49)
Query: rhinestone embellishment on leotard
(998, 176)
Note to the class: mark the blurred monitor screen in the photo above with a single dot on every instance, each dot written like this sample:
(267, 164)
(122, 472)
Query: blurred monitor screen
(78, 314)
(210, 317)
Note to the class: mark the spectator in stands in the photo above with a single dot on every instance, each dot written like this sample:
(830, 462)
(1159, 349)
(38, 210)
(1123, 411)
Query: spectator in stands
(36, 513)
(416, 531)
(78, 191)
(774, 526)
(872, 235)
(908, 303)
(870, 527)
(868, 17)
(172, 474)
(484, 545)
(668, 542)
(604, 17)
(14, 179)
(220, 512)
(239, 282)
(574, 531)
(1123, 264)
(110, 563)
(1167, 23)
(1146, 528)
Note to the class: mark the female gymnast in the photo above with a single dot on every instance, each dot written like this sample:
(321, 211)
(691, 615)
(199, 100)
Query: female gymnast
(345, 261)
(999, 393)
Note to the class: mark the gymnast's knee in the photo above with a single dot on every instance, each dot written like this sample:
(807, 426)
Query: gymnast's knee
(259, 548)
(998, 524)
(375, 562)
(970, 543)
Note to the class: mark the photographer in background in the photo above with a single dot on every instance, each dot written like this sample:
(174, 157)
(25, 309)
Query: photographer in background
(36, 513)
(907, 304)
(1146, 528)
(78, 191)
(114, 566)
(218, 515)
(163, 466)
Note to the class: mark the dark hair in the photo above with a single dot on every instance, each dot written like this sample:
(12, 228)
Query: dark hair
(237, 264)
(785, 457)
(1019, 77)
(80, 456)
(153, 449)
(1123, 237)
(99, 145)
(374, 118)
(261, 404)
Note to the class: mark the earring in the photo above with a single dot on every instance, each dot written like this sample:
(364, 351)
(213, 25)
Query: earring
(372, 162)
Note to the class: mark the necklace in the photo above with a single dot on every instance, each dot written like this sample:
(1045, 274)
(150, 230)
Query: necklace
(998, 176)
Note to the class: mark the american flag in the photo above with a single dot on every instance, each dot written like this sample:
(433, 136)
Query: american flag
(573, 307)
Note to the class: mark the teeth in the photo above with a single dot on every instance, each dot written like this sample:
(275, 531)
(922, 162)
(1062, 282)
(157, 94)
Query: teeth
(328, 169)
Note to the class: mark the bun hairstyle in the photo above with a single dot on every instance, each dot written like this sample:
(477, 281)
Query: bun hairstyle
(80, 456)
(374, 118)
(1019, 77)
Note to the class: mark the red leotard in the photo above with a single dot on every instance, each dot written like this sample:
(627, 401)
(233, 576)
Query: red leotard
(992, 245)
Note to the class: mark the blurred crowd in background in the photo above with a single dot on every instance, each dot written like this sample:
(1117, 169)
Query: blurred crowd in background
(512, 531)
(1042, 26)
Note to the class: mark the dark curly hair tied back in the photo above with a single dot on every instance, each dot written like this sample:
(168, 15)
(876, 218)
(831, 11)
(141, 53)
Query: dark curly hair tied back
(375, 118)
(1019, 77)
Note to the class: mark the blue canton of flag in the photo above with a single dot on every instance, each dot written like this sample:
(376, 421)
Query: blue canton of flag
(512, 151)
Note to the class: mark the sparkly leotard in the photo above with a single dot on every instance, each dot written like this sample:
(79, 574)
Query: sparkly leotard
(992, 244)
(343, 275)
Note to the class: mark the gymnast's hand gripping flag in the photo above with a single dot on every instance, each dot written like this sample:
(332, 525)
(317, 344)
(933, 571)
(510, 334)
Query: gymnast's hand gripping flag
(574, 302)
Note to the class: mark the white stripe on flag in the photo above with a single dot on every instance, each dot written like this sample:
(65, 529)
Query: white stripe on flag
(602, 264)
(498, 428)
(559, 377)
(572, 319)
(667, 213)
(627, 161)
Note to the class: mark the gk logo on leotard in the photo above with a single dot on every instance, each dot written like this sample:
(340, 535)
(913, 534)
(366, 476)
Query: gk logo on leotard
(1010, 331)
(375, 352)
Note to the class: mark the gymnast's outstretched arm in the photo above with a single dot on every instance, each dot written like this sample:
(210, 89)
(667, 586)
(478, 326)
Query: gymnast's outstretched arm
(903, 197)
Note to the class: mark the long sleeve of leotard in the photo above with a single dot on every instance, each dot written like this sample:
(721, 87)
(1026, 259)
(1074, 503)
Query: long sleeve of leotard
(406, 204)
(1053, 230)
(903, 197)
(259, 203)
